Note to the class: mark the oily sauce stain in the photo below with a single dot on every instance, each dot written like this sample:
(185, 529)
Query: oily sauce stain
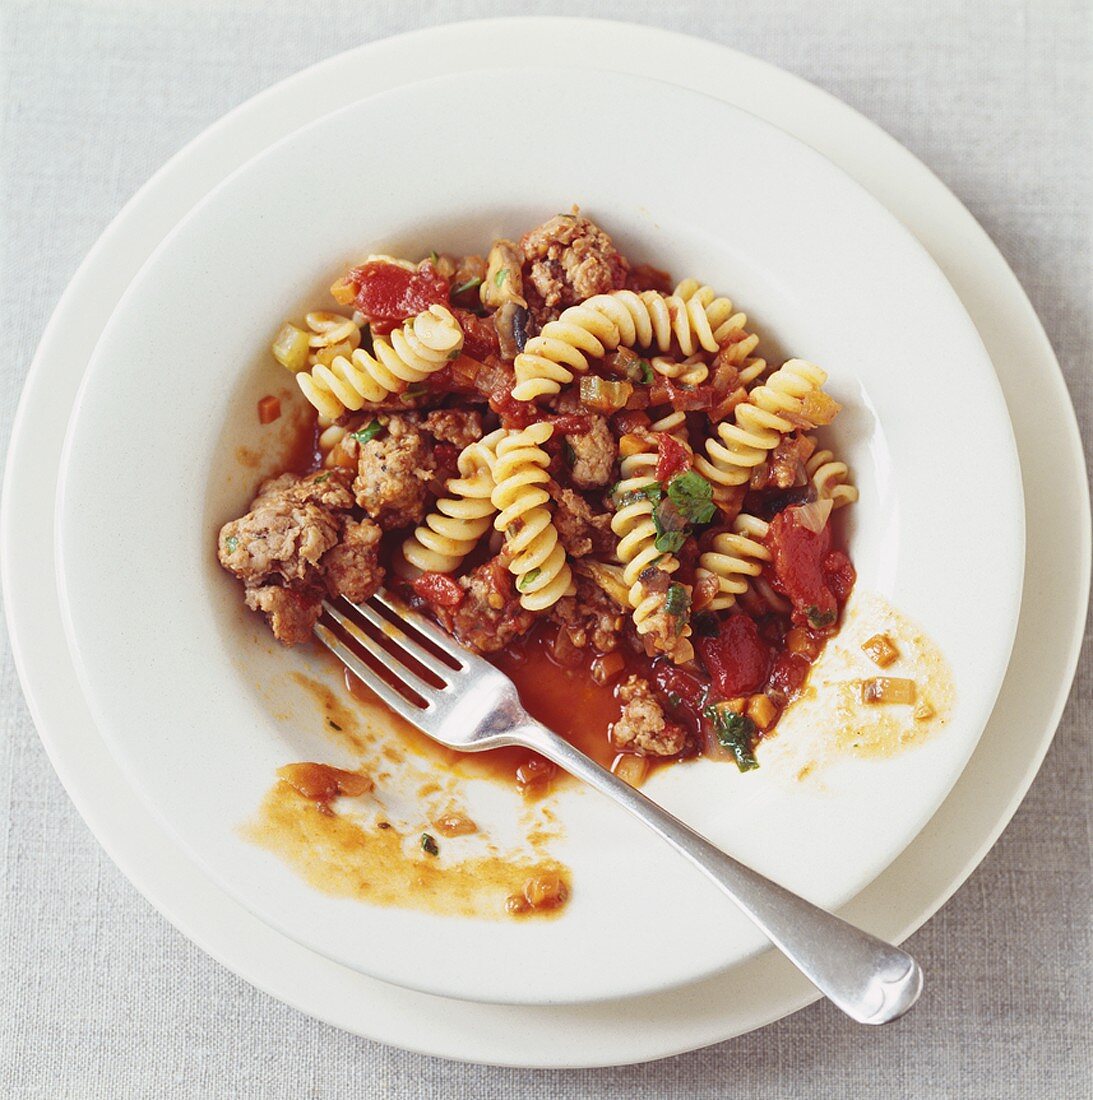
(378, 865)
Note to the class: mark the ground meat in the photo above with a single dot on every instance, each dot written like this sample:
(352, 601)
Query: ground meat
(590, 618)
(490, 616)
(292, 522)
(592, 455)
(393, 473)
(581, 530)
(351, 568)
(455, 426)
(291, 612)
(571, 259)
(642, 727)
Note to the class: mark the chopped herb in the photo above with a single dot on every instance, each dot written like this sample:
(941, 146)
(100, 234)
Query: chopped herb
(527, 579)
(428, 844)
(367, 433)
(640, 371)
(677, 602)
(818, 619)
(418, 390)
(705, 625)
(453, 355)
(501, 276)
(470, 284)
(321, 478)
(568, 453)
(674, 700)
(434, 256)
(334, 725)
(232, 543)
(670, 542)
(735, 732)
(692, 494)
(652, 492)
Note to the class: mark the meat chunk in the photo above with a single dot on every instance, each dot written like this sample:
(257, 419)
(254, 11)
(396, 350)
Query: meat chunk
(292, 522)
(490, 616)
(504, 281)
(581, 530)
(393, 474)
(351, 568)
(787, 462)
(291, 612)
(664, 631)
(591, 618)
(455, 426)
(642, 727)
(592, 455)
(572, 259)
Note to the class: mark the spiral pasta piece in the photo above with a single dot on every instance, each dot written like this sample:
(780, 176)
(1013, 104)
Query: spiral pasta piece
(633, 525)
(728, 327)
(409, 355)
(831, 478)
(736, 559)
(692, 371)
(538, 559)
(601, 324)
(457, 521)
(758, 424)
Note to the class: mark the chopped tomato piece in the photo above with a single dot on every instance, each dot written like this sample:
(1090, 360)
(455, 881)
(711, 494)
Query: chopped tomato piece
(438, 588)
(388, 294)
(630, 420)
(673, 458)
(737, 659)
(479, 335)
(815, 578)
(788, 675)
(269, 409)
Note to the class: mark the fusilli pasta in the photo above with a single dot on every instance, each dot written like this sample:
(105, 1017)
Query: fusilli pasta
(735, 558)
(410, 354)
(831, 478)
(538, 559)
(458, 520)
(728, 327)
(758, 424)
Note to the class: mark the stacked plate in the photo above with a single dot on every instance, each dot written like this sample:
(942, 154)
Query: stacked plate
(134, 674)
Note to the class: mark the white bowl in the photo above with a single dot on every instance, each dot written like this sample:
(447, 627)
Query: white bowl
(197, 703)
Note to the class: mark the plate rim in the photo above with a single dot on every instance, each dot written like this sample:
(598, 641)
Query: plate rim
(805, 98)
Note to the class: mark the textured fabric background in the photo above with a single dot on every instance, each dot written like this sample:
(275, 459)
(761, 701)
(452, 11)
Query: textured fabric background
(100, 997)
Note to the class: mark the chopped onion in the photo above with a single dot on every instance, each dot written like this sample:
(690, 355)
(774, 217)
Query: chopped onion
(631, 769)
(888, 689)
(604, 395)
(814, 516)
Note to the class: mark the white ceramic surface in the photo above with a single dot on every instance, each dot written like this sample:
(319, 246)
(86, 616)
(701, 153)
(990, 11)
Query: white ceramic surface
(899, 901)
(822, 269)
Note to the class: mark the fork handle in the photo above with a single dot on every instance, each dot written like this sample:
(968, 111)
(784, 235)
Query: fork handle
(870, 980)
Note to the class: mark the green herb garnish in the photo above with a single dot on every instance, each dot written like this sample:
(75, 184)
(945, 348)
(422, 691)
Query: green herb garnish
(434, 256)
(652, 492)
(677, 602)
(417, 390)
(670, 542)
(501, 276)
(428, 844)
(334, 725)
(818, 619)
(367, 433)
(692, 494)
(640, 371)
(470, 284)
(527, 579)
(321, 478)
(232, 543)
(735, 732)
(568, 453)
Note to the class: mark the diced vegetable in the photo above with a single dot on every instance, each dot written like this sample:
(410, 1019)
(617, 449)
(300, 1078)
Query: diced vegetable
(545, 891)
(762, 711)
(632, 444)
(631, 769)
(455, 824)
(429, 845)
(603, 395)
(881, 650)
(606, 667)
(291, 348)
(814, 515)
(923, 710)
(269, 409)
(799, 640)
(608, 577)
(888, 689)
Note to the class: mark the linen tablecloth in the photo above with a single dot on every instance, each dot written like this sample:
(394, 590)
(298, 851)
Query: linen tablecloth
(101, 997)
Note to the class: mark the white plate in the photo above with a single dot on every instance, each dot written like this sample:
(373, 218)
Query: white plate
(924, 876)
(169, 660)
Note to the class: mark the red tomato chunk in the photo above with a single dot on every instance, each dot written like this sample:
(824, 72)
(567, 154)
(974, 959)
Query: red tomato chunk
(388, 294)
(439, 588)
(737, 659)
(673, 458)
(815, 578)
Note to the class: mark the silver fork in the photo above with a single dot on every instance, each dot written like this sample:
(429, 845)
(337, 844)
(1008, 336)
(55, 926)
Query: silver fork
(463, 702)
